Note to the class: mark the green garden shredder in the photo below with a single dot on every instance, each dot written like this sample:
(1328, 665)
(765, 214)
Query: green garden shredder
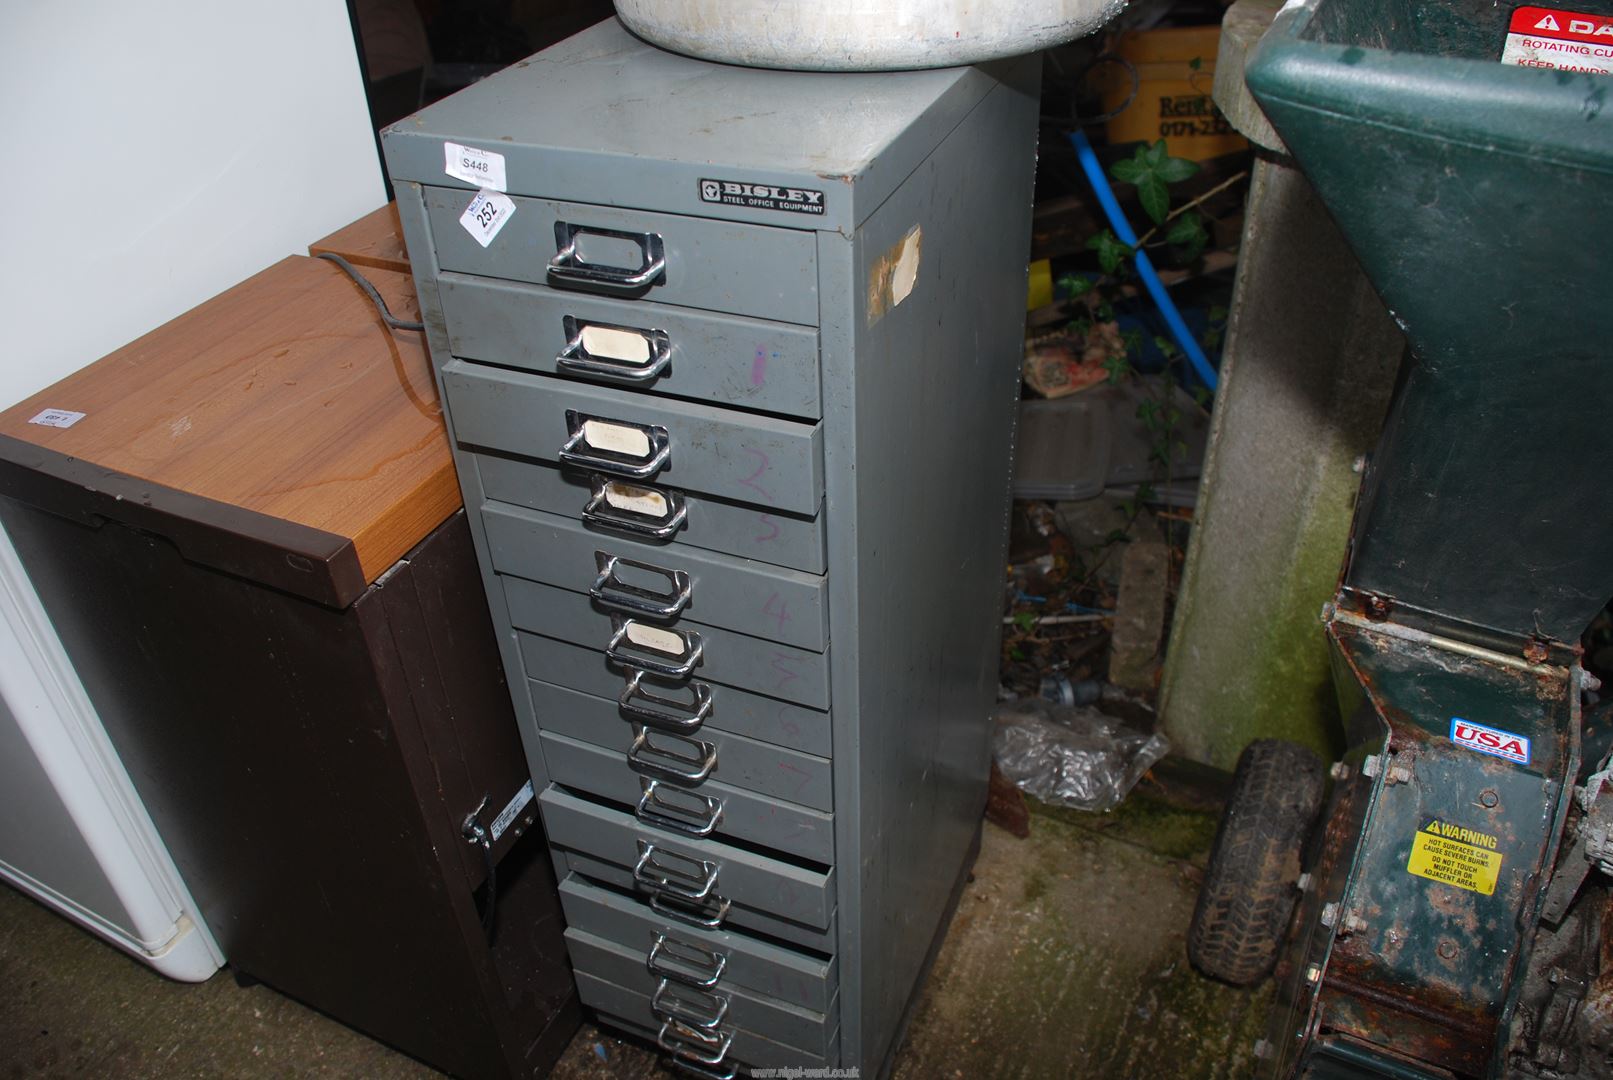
(1449, 914)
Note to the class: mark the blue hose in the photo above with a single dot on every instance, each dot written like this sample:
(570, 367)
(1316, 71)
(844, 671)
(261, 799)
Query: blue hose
(1145, 266)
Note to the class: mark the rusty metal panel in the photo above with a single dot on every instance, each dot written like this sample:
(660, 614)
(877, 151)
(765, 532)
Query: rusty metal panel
(1428, 874)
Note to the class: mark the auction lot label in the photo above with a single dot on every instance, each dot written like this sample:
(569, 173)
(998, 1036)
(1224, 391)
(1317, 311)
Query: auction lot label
(1560, 40)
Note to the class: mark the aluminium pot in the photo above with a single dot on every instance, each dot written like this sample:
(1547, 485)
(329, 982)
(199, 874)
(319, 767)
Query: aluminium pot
(861, 35)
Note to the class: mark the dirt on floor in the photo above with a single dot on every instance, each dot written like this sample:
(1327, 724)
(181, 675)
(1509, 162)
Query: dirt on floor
(1065, 959)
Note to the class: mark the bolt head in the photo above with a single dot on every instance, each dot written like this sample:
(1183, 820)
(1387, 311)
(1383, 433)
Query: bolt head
(1313, 974)
(1304, 883)
(1370, 766)
(1400, 774)
(1354, 923)
(1330, 913)
(1339, 771)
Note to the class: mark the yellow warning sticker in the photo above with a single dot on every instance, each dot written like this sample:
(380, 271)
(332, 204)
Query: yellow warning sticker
(1456, 856)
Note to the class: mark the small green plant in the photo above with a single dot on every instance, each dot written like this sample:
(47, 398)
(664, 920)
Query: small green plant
(1178, 237)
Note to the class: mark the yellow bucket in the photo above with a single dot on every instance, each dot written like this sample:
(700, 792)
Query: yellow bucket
(1175, 69)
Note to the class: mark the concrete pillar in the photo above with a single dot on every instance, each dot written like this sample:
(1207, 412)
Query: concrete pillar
(1306, 376)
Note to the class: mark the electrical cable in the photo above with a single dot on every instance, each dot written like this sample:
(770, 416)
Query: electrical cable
(1145, 266)
(364, 283)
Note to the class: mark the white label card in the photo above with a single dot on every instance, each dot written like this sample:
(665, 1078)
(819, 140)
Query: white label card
(616, 344)
(636, 499)
(617, 438)
(653, 637)
(486, 215)
(484, 168)
(57, 418)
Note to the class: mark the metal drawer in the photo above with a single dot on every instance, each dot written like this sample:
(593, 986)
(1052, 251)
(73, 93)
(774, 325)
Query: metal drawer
(726, 811)
(746, 457)
(615, 962)
(733, 659)
(630, 1012)
(743, 763)
(775, 538)
(714, 265)
(789, 891)
(750, 963)
(772, 721)
(738, 918)
(725, 359)
(669, 586)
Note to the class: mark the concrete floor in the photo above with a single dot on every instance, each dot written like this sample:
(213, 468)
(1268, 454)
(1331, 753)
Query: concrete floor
(1065, 959)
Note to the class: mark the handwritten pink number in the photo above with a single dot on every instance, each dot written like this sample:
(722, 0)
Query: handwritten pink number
(781, 664)
(750, 481)
(771, 524)
(777, 608)
(806, 777)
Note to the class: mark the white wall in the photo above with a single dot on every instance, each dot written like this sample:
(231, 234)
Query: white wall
(153, 153)
(156, 152)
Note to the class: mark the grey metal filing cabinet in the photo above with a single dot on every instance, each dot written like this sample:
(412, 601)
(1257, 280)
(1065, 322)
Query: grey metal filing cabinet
(731, 373)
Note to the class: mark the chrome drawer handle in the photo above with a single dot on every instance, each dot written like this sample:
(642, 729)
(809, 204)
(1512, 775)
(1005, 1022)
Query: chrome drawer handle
(673, 958)
(658, 806)
(686, 1043)
(708, 914)
(648, 639)
(611, 591)
(577, 357)
(726, 1071)
(687, 1005)
(639, 705)
(671, 763)
(639, 451)
(693, 885)
(569, 267)
(606, 508)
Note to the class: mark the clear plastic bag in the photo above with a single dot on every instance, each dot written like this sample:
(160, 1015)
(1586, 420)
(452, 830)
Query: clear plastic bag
(1072, 756)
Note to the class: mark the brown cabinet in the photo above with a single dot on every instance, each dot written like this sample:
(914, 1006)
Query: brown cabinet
(252, 548)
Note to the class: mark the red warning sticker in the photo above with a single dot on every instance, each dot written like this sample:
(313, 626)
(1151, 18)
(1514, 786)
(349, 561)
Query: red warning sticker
(1541, 37)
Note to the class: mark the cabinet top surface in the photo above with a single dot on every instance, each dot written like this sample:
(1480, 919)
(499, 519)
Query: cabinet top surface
(285, 395)
(606, 92)
(376, 239)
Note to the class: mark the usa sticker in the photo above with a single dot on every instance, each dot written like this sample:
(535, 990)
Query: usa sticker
(1488, 740)
(1574, 41)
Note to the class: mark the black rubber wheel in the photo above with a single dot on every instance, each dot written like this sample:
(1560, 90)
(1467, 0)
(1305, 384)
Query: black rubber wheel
(1248, 894)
